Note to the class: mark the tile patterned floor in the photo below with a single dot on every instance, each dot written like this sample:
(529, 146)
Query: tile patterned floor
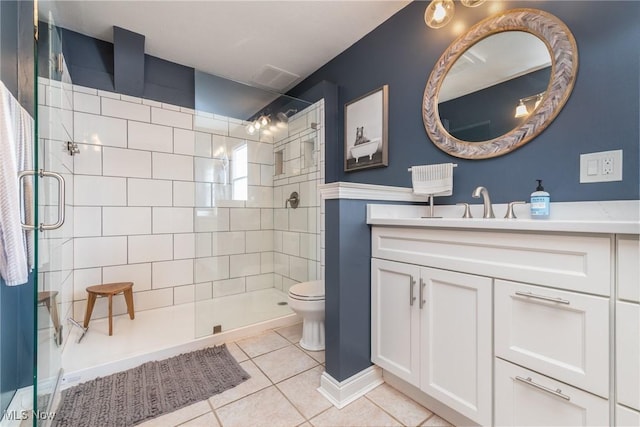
(282, 393)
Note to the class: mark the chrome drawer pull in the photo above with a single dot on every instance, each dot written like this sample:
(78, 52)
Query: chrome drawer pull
(412, 285)
(529, 381)
(542, 297)
(422, 285)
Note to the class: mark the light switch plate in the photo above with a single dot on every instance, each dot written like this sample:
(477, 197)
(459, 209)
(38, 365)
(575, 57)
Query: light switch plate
(603, 166)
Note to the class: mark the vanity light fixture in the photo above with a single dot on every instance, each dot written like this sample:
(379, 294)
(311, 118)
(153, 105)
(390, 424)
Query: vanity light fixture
(439, 13)
(268, 125)
(521, 109)
(260, 122)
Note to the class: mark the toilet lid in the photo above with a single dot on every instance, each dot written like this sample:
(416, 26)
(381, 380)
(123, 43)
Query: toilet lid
(308, 290)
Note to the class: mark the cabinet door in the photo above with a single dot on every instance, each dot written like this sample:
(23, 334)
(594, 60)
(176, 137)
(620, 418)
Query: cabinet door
(456, 341)
(561, 334)
(395, 318)
(525, 398)
(628, 354)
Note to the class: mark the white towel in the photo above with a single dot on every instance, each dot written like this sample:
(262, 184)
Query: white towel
(16, 142)
(436, 180)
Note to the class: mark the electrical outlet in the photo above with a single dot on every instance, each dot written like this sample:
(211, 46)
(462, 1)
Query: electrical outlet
(601, 167)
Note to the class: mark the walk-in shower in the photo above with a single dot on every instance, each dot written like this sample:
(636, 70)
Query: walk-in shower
(187, 203)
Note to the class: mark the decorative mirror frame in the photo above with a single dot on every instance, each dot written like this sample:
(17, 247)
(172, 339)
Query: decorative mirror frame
(564, 56)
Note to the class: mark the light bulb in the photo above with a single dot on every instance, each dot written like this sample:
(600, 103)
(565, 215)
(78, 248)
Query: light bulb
(264, 121)
(257, 124)
(439, 13)
(521, 110)
(251, 129)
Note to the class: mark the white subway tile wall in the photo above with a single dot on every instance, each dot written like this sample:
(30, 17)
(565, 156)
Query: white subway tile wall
(56, 248)
(185, 204)
(297, 238)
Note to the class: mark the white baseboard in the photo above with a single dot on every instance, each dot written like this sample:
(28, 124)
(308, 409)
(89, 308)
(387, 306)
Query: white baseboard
(341, 393)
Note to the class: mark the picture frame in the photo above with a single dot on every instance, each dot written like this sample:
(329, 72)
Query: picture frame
(366, 122)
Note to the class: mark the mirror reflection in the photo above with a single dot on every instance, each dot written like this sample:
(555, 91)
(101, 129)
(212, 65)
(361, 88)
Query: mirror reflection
(482, 89)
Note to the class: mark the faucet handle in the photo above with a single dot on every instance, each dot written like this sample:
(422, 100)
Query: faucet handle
(510, 213)
(467, 211)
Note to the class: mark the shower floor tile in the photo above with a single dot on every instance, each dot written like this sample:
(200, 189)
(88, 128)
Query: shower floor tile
(168, 327)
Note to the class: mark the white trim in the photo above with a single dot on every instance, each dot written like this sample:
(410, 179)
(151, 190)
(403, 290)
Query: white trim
(358, 191)
(340, 394)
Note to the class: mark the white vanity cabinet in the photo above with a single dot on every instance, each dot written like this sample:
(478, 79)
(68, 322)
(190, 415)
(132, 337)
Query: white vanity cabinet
(432, 328)
(451, 305)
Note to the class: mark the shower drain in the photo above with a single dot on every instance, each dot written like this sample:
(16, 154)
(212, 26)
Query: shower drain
(282, 303)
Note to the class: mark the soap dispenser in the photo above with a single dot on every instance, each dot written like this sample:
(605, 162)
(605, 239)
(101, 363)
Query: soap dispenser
(540, 202)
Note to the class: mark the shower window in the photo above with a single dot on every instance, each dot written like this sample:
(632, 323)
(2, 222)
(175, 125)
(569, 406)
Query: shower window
(239, 175)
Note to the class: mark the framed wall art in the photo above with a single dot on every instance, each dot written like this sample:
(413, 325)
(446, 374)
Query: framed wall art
(365, 131)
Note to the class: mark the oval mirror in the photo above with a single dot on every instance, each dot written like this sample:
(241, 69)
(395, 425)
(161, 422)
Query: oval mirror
(500, 84)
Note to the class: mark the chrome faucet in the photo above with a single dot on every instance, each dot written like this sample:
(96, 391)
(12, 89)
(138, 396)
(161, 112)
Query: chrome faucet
(488, 209)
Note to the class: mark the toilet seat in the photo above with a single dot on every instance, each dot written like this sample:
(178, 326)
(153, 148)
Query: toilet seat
(308, 291)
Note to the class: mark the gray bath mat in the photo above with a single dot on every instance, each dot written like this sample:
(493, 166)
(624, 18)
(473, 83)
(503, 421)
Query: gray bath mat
(154, 388)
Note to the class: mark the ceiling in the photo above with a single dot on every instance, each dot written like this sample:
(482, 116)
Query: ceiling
(270, 44)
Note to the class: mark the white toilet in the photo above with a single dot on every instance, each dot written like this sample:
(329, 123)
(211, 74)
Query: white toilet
(307, 299)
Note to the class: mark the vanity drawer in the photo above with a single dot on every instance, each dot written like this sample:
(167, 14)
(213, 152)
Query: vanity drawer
(565, 261)
(526, 398)
(561, 334)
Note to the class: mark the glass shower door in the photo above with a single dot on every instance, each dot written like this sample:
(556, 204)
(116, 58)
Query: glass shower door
(253, 241)
(55, 215)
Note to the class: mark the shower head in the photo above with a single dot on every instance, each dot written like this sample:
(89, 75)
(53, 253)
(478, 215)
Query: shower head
(284, 117)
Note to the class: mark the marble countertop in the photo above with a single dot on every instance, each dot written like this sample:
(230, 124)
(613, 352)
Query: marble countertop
(611, 217)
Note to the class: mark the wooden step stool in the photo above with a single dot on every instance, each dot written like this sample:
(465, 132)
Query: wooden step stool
(109, 290)
(49, 299)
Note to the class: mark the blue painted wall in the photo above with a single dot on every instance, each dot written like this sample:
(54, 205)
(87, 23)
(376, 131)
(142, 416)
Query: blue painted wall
(601, 114)
(91, 64)
(17, 319)
(347, 288)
